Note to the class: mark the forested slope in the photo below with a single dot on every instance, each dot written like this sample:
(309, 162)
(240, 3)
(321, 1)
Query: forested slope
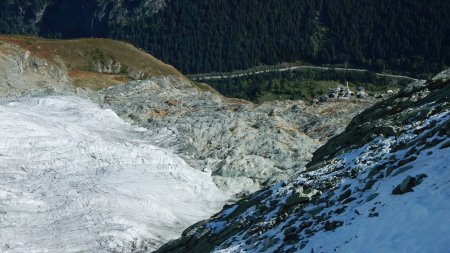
(202, 36)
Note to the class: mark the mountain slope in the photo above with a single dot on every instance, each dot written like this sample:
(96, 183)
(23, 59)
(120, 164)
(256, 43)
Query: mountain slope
(30, 63)
(74, 17)
(382, 191)
(223, 35)
(76, 178)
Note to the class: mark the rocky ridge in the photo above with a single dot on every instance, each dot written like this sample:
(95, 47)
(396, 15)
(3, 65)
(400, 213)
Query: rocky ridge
(381, 185)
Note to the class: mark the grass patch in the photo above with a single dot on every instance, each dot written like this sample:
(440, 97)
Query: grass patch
(80, 56)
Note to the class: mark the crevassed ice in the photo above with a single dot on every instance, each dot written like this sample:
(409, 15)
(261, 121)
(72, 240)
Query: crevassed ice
(74, 177)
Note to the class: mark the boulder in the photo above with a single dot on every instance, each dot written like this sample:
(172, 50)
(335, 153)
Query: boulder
(329, 226)
(408, 184)
(300, 196)
(361, 94)
(324, 98)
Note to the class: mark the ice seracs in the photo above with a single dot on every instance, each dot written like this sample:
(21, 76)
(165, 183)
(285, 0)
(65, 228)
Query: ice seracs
(76, 178)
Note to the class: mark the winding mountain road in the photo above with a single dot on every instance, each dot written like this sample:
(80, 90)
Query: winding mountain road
(204, 77)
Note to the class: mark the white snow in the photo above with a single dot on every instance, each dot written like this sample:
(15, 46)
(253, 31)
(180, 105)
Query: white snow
(76, 178)
(412, 222)
(418, 221)
(376, 220)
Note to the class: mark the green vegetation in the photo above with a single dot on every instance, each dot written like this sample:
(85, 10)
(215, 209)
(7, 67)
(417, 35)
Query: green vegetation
(300, 84)
(95, 56)
(224, 35)
(81, 57)
(406, 36)
(79, 53)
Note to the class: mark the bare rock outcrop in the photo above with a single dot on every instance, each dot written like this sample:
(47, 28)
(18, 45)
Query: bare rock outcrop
(20, 71)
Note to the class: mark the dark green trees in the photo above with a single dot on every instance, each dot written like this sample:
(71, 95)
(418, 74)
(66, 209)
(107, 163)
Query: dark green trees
(223, 35)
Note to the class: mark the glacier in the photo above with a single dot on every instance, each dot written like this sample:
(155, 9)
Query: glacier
(76, 178)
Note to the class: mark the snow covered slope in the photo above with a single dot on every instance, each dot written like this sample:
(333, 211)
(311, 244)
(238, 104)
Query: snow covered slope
(76, 178)
(383, 185)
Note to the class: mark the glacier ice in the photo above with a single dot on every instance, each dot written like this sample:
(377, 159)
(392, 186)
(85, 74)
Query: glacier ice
(76, 178)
